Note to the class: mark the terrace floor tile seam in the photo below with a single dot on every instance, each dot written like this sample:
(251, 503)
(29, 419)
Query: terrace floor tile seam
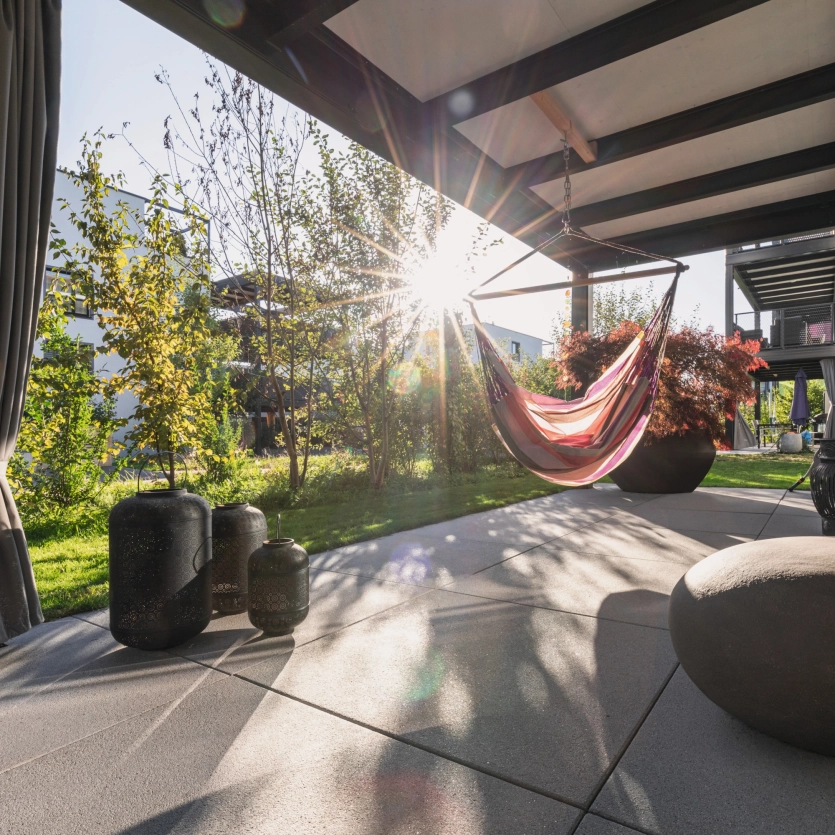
(607, 817)
(558, 611)
(318, 637)
(533, 547)
(444, 755)
(89, 622)
(624, 748)
(95, 732)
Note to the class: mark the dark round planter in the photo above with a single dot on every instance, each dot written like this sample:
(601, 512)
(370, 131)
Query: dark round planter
(675, 464)
(237, 530)
(160, 568)
(822, 485)
(279, 586)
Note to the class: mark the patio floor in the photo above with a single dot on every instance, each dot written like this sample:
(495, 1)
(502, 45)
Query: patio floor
(506, 672)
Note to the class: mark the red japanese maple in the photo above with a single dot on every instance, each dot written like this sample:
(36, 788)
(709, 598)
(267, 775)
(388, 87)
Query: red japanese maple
(703, 378)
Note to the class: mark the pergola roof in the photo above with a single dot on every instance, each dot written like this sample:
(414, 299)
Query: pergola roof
(704, 124)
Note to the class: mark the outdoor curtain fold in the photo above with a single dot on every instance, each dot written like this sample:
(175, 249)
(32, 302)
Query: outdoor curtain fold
(828, 368)
(30, 77)
(576, 442)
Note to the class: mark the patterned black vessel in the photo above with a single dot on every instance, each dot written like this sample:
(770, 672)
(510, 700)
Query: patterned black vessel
(279, 586)
(237, 530)
(160, 568)
(822, 483)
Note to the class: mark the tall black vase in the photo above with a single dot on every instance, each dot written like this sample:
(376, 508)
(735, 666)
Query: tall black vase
(160, 568)
(822, 482)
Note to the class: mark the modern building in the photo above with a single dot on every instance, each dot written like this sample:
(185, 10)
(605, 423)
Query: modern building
(514, 344)
(789, 285)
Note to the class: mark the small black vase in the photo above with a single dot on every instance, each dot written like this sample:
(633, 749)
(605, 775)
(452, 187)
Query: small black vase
(237, 530)
(822, 483)
(279, 586)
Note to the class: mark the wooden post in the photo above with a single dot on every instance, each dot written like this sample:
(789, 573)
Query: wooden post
(580, 300)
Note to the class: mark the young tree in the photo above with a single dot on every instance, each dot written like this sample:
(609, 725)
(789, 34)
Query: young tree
(147, 276)
(247, 175)
(66, 433)
(371, 225)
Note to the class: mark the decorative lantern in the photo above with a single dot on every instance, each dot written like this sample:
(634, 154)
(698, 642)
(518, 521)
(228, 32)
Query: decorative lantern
(160, 568)
(279, 585)
(237, 530)
(822, 482)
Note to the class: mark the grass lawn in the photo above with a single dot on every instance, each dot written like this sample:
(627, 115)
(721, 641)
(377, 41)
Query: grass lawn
(71, 572)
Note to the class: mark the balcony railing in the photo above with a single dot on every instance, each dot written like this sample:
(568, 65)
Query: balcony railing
(790, 327)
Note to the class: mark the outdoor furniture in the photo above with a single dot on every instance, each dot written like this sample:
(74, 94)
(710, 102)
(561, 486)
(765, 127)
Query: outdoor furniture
(754, 628)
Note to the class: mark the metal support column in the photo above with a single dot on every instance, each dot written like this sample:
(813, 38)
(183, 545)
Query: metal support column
(729, 300)
(580, 304)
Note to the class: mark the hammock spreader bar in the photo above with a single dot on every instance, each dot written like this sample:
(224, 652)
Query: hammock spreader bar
(576, 442)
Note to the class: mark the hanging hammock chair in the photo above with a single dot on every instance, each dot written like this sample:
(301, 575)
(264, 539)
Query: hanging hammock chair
(577, 442)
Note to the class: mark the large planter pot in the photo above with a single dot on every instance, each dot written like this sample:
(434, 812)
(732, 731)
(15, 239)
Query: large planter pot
(822, 484)
(675, 464)
(237, 531)
(160, 568)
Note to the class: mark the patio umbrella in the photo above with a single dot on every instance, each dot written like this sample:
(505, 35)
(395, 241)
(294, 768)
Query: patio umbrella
(800, 401)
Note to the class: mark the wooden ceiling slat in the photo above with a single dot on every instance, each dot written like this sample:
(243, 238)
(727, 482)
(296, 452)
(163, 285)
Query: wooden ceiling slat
(807, 161)
(788, 94)
(619, 38)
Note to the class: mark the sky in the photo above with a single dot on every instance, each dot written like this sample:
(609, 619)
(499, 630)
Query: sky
(111, 55)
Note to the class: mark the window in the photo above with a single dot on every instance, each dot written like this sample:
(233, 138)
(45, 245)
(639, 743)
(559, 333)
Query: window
(515, 350)
(86, 353)
(76, 307)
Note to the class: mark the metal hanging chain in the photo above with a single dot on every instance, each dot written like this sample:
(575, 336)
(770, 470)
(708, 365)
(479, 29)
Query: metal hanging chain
(566, 212)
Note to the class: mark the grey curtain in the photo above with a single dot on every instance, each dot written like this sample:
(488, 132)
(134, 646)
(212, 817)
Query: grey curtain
(30, 79)
(743, 434)
(828, 367)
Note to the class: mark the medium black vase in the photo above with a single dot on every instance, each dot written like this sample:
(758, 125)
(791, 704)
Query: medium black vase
(160, 568)
(237, 530)
(822, 483)
(279, 586)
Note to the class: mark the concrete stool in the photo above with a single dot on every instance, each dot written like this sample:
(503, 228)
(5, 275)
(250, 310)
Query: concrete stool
(754, 628)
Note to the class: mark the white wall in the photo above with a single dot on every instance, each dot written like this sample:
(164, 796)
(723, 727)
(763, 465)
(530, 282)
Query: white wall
(88, 329)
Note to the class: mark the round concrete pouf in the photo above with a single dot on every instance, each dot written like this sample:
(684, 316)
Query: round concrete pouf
(754, 628)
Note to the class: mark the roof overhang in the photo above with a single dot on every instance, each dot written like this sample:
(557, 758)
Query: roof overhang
(702, 124)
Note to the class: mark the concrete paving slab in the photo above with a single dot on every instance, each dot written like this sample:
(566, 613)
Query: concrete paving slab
(231, 642)
(233, 757)
(522, 525)
(744, 524)
(121, 682)
(792, 525)
(627, 536)
(594, 825)
(49, 651)
(100, 617)
(412, 557)
(722, 499)
(624, 589)
(543, 698)
(693, 769)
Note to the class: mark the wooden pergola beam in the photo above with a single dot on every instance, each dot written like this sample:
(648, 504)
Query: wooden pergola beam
(561, 121)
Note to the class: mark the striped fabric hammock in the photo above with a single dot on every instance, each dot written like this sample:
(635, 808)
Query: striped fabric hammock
(576, 442)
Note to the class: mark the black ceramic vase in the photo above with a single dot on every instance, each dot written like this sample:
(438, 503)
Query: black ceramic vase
(675, 464)
(279, 586)
(822, 483)
(160, 568)
(237, 530)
